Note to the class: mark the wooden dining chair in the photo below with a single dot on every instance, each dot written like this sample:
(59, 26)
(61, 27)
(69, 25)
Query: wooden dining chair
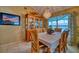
(43, 30)
(65, 40)
(62, 42)
(28, 36)
(58, 29)
(39, 30)
(35, 47)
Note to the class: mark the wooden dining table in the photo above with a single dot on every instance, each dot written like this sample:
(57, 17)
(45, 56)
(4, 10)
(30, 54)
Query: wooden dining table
(50, 40)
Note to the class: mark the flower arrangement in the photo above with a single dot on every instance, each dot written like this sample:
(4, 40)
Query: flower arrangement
(50, 31)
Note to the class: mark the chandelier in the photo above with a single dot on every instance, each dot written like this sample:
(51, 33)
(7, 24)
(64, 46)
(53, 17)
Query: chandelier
(47, 14)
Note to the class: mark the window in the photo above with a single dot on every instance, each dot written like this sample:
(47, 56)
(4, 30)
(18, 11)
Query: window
(59, 22)
(50, 24)
(53, 24)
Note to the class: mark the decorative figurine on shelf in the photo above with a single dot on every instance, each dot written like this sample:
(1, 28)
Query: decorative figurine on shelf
(50, 31)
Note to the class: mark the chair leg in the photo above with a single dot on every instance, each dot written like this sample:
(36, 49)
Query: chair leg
(44, 50)
(66, 48)
(48, 50)
(64, 51)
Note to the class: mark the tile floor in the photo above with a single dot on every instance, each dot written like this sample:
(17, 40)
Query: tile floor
(21, 48)
(25, 47)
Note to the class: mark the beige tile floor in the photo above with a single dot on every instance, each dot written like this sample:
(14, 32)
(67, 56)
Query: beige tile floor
(72, 49)
(25, 47)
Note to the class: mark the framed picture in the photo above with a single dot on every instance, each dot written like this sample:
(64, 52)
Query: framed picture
(9, 19)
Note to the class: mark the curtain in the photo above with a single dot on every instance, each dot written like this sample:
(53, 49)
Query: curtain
(72, 28)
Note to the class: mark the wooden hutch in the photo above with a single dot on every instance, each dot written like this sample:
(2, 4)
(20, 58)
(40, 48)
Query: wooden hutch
(34, 21)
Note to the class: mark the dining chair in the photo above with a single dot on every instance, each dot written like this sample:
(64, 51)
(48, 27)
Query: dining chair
(43, 30)
(58, 29)
(62, 42)
(28, 34)
(65, 40)
(36, 46)
(39, 30)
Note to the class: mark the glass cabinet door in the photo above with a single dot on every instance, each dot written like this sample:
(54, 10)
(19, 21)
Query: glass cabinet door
(40, 23)
(36, 23)
(30, 23)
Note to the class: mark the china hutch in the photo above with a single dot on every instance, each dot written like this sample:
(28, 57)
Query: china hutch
(34, 21)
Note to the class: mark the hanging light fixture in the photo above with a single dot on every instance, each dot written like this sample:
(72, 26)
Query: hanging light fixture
(47, 13)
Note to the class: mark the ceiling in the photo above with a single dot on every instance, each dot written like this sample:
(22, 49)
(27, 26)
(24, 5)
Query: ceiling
(38, 9)
(52, 9)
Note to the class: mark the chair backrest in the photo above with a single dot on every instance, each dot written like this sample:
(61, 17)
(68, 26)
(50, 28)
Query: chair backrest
(28, 35)
(43, 30)
(63, 40)
(58, 29)
(35, 41)
(39, 30)
(65, 36)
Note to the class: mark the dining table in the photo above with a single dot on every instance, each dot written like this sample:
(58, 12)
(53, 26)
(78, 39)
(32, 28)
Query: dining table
(50, 40)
